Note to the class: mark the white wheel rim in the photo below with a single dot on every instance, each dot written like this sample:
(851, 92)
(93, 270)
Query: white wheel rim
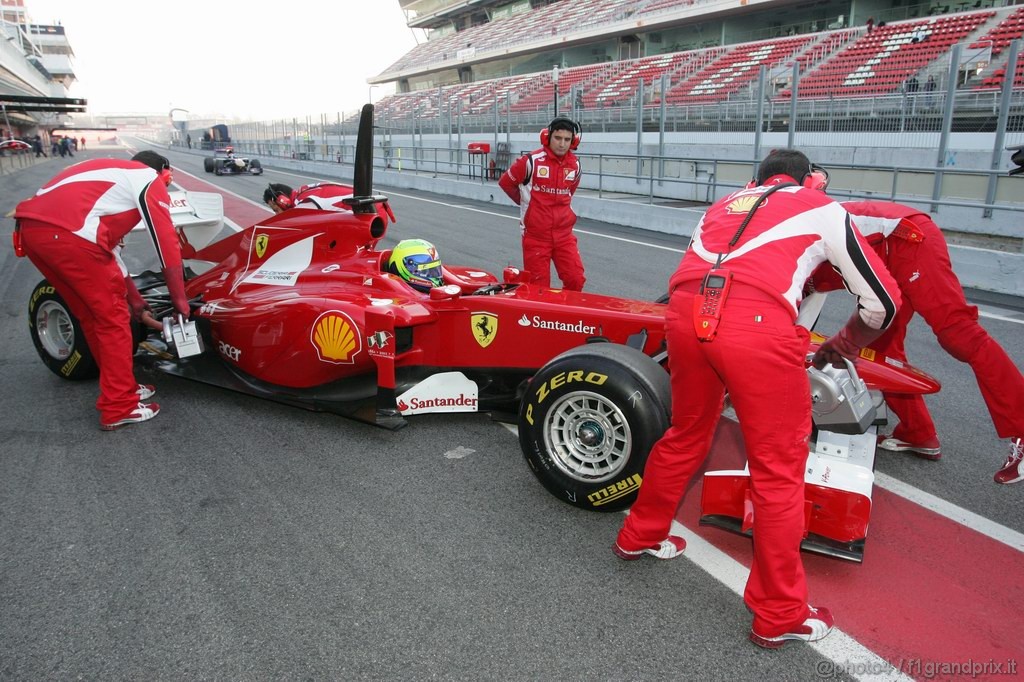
(55, 330)
(588, 437)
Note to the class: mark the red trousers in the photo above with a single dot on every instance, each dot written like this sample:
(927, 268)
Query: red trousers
(929, 287)
(563, 250)
(89, 280)
(758, 357)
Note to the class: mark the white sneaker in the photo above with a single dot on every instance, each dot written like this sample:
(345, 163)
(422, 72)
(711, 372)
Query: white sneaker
(817, 626)
(144, 412)
(146, 391)
(1013, 470)
(669, 548)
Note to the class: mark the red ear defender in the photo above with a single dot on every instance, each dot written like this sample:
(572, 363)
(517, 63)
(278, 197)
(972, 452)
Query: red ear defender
(166, 176)
(817, 178)
(577, 136)
(283, 200)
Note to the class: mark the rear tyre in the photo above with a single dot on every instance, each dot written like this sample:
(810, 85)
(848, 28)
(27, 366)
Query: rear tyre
(58, 337)
(588, 420)
(255, 167)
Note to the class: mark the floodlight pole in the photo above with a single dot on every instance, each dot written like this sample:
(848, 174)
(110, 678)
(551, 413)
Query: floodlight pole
(554, 78)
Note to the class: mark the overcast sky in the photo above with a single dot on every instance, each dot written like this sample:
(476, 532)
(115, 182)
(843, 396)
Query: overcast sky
(248, 58)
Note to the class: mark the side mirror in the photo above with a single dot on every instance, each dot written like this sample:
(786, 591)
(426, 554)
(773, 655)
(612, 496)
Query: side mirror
(445, 293)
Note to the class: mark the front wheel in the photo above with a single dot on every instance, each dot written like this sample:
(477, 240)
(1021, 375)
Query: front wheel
(588, 421)
(58, 337)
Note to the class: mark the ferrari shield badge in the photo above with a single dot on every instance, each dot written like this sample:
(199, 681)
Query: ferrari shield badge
(261, 244)
(485, 328)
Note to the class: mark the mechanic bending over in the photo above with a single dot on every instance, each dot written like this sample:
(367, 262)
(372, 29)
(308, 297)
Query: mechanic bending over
(71, 231)
(914, 250)
(322, 196)
(730, 326)
(542, 184)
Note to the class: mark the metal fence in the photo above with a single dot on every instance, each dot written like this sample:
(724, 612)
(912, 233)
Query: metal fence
(912, 117)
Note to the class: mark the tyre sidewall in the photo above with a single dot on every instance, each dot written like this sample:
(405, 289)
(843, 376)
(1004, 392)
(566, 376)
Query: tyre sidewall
(631, 381)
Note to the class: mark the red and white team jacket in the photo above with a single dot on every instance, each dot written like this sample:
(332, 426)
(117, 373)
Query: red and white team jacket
(795, 230)
(101, 200)
(323, 196)
(327, 196)
(543, 184)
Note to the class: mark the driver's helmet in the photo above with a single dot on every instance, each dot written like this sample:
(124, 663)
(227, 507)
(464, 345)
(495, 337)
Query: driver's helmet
(416, 261)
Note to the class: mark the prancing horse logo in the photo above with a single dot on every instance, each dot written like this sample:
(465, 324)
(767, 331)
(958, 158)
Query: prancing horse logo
(261, 244)
(485, 328)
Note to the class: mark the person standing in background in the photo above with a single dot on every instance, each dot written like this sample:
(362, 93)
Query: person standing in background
(542, 184)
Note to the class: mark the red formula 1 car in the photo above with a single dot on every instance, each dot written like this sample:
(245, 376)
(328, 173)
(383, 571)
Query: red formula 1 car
(300, 309)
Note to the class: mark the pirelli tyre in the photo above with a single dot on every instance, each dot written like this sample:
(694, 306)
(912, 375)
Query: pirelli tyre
(255, 167)
(57, 336)
(588, 420)
(209, 164)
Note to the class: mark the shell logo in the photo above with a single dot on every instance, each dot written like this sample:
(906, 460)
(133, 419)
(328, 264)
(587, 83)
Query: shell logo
(335, 339)
(742, 204)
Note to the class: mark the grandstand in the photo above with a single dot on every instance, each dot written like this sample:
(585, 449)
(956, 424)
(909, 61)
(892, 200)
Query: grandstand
(486, 54)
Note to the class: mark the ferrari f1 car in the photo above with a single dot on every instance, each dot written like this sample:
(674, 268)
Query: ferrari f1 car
(300, 309)
(224, 162)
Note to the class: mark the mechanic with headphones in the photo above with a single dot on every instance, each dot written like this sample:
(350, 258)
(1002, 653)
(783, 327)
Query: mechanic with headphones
(71, 231)
(914, 250)
(279, 197)
(542, 184)
(321, 196)
(731, 326)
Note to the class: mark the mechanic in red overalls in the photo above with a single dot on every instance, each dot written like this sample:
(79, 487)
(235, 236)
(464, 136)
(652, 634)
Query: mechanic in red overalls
(754, 350)
(542, 184)
(322, 196)
(71, 231)
(914, 250)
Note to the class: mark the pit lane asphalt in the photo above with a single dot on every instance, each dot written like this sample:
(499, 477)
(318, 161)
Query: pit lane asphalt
(236, 538)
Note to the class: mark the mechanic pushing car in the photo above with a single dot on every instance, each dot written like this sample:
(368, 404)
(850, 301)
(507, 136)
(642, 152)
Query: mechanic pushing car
(542, 184)
(71, 230)
(914, 250)
(730, 326)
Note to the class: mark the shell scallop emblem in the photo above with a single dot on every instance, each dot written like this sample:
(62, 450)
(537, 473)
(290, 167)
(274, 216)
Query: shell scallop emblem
(742, 204)
(335, 339)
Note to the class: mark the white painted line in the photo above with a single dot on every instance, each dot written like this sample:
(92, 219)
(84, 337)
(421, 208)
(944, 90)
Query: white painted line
(846, 655)
(981, 313)
(1002, 318)
(516, 218)
(947, 510)
(975, 522)
(222, 190)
